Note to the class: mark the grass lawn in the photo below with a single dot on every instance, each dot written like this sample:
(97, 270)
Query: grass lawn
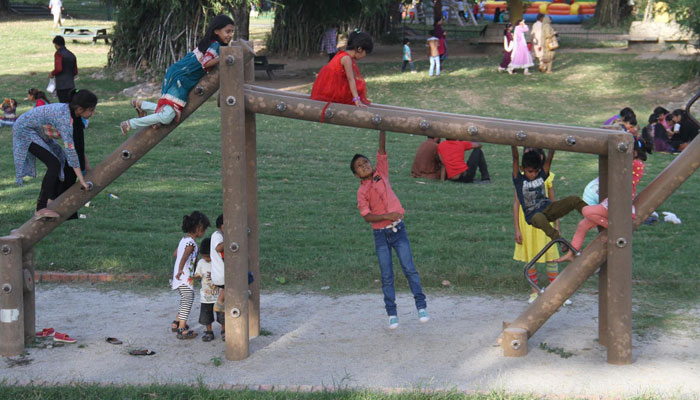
(176, 392)
(310, 231)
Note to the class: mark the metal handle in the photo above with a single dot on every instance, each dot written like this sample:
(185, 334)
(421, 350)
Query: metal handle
(540, 254)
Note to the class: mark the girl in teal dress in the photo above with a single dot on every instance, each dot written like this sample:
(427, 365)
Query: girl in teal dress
(182, 76)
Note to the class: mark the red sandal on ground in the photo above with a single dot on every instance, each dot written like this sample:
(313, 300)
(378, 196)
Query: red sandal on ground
(63, 337)
(46, 332)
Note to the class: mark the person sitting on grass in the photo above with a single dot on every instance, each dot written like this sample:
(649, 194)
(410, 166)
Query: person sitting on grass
(9, 112)
(208, 293)
(380, 207)
(539, 210)
(426, 163)
(453, 166)
(182, 76)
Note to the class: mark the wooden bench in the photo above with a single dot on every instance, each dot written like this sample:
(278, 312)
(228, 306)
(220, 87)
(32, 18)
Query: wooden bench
(261, 64)
(82, 32)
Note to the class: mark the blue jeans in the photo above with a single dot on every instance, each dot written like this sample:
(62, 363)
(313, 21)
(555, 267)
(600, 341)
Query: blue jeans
(384, 240)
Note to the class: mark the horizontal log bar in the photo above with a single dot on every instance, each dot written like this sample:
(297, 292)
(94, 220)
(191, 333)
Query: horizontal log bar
(430, 123)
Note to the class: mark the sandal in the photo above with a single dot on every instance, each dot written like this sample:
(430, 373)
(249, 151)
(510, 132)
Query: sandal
(45, 214)
(184, 334)
(175, 326)
(113, 340)
(46, 332)
(63, 337)
(136, 103)
(208, 336)
(142, 352)
(125, 127)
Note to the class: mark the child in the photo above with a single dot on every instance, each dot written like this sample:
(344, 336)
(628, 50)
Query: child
(379, 206)
(521, 57)
(407, 57)
(597, 215)
(432, 44)
(194, 225)
(340, 81)
(529, 240)
(217, 262)
(38, 97)
(208, 294)
(507, 47)
(539, 210)
(182, 76)
(9, 112)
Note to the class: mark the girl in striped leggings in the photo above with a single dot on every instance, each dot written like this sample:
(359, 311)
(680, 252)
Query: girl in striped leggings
(194, 225)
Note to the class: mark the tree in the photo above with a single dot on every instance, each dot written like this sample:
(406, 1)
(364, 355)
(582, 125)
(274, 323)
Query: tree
(516, 8)
(240, 12)
(152, 34)
(299, 24)
(612, 12)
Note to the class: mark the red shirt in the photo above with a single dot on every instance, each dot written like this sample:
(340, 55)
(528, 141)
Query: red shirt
(375, 195)
(452, 154)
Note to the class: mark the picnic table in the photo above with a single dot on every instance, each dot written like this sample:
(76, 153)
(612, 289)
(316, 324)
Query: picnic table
(81, 32)
(262, 64)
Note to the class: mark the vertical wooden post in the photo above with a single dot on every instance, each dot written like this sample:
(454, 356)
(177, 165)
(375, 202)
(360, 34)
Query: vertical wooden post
(11, 310)
(619, 287)
(252, 197)
(233, 171)
(29, 299)
(603, 273)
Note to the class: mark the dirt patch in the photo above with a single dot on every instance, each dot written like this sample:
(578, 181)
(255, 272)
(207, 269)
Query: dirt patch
(329, 340)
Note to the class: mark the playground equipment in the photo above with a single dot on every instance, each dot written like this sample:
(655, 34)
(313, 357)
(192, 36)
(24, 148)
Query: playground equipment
(561, 13)
(240, 101)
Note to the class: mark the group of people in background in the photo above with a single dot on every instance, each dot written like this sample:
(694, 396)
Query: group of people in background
(516, 52)
(666, 131)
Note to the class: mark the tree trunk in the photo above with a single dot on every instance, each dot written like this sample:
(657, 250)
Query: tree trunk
(607, 12)
(516, 8)
(240, 11)
(4, 7)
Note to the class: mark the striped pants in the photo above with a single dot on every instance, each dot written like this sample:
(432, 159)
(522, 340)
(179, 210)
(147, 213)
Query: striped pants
(186, 300)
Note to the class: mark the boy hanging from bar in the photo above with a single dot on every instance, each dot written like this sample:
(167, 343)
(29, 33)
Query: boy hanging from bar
(539, 210)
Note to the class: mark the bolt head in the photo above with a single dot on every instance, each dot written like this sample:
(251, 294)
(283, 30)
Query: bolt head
(231, 101)
(424, 125)
(521, 135)
(622, 147)
(6, 249)
(473, 130)
(570, 140)
(230, 60)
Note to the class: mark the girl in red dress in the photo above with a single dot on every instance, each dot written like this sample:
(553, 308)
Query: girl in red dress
(340, 81)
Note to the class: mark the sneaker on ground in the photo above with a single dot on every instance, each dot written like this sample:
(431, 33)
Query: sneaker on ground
(393, 322)
(532, 298)
(568, 302)
(423, 315)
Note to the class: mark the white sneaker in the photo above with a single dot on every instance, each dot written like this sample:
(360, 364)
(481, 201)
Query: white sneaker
(393, 322)
(532, 298)
(568, 302)
(423, 315)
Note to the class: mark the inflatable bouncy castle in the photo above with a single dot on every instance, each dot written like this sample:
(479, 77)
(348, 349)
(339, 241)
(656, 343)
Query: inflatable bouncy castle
(560, 11)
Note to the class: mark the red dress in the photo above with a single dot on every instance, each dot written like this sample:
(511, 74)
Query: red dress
(332, 85)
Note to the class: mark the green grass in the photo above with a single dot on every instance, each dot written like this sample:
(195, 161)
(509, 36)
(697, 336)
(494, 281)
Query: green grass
(310, 231)
(176, 392)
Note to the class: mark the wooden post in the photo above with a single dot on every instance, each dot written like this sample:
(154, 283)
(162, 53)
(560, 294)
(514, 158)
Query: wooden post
(603, 273)
(252, 197)
(619, 292)
(29, 299)
(233, 172)
(514, 342)
(11, 288)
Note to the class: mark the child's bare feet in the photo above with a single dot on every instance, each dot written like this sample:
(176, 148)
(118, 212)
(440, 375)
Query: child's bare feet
(125, 127)
(568, 257)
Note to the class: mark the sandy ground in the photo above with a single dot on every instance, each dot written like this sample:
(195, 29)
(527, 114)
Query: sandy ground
(344, 341)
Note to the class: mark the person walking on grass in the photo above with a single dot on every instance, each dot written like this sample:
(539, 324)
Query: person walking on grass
(507, 47)
(549, 45)
(521, 57)
(64, 71)
(380, 207)
(407, 59)
(56, 7)
(181, 77)
(194, 226)
(34, 136)
(432, 44)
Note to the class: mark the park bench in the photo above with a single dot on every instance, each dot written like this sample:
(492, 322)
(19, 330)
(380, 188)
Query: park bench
(82, 32)
(261, 64)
